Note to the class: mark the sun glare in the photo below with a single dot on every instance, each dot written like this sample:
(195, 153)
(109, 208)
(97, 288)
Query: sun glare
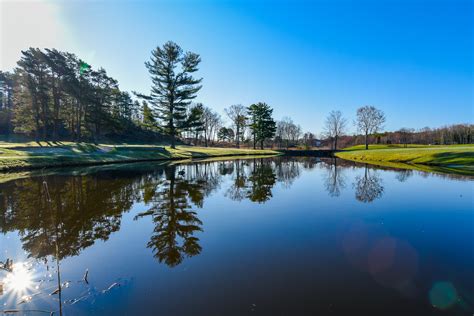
(26, 24)
(19, 279)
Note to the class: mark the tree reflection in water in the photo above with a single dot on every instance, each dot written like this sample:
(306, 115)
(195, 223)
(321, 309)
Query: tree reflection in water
(369, 186)
(86, 208)
(287, 170)
(175, 222)
(82, 209)
(238, 189)
(255, 179)
(403, 175)
(262, 179)
(334, 180)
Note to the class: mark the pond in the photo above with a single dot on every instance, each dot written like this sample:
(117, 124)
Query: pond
(263, 236)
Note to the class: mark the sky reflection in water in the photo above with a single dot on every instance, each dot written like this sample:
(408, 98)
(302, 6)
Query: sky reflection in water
(255, 236)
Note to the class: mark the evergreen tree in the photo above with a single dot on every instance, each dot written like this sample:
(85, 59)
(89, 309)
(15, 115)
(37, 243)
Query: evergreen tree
(57, 64)
(173, 86)
(225, 134)
(195, 121)
(6, 102)
(262, 125)
(149, 121)
(102, 98)
(33, 72)
(54, 94)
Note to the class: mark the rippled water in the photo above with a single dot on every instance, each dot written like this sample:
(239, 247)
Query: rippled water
(274, 236)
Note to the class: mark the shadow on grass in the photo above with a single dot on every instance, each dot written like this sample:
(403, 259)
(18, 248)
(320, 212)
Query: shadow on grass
(456, 171)
(81, 154)
(453, 157)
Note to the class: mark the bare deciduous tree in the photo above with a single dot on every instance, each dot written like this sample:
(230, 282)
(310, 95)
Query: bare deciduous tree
(288, 131)
(335, 126)
(369, 121)
(212, 123)
(406, 135)
(308, 139)
(236, 113)
(294, 133)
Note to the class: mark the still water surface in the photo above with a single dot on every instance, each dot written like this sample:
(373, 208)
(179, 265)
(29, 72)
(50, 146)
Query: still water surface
(273, 236)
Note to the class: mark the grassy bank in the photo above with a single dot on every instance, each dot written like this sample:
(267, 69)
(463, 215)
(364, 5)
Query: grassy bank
(22, 156)
(451, 159)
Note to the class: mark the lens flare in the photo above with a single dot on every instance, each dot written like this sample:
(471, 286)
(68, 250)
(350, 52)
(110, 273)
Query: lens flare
(443, 295)
(19, 279)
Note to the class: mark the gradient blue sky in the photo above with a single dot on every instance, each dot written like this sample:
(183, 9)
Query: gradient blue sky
(412, 59)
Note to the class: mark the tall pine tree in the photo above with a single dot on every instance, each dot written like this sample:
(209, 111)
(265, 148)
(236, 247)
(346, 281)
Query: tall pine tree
(173, 86)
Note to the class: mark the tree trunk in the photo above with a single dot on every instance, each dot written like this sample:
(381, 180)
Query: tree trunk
(56, 107)
(173, 136)
(261, 144)
(254, 142)
(335, 142)
(36, 115)
(79, 122)
(96, 133)
(237, 136)
(366, 141)
(173, 140)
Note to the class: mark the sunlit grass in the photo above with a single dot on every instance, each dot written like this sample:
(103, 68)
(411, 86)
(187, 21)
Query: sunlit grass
(69, 154)
(401, 146)
(456, 159)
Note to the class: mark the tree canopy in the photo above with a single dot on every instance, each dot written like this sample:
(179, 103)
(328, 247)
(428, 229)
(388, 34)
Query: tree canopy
(369, 120)
(173, 86)
(262, 125)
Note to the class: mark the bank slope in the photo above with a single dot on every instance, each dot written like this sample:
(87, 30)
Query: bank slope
(72, 154)
(455, 159)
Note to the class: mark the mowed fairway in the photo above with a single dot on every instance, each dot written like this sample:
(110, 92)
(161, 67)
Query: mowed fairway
(454, 157)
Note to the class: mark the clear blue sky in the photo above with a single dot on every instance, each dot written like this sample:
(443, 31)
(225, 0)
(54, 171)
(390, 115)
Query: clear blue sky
(412, 59)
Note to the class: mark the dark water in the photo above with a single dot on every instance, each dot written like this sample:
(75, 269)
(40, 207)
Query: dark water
(260, 236)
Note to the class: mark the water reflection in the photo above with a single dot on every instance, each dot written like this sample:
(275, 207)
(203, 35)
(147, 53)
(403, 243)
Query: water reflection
(175, 221)
(368, 187)
(237, 190)
(82, 210)
(335, 180)
(287, 170)
(261, 181)
(403, 175)
(176, 212)
(86, 208)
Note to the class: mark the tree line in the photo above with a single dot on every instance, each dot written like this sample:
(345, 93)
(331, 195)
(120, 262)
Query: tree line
(370, 123)
(54, 95)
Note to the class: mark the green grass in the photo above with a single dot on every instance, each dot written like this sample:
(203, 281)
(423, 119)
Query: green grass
(451, 159)
(17, 156)
(401, 146)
